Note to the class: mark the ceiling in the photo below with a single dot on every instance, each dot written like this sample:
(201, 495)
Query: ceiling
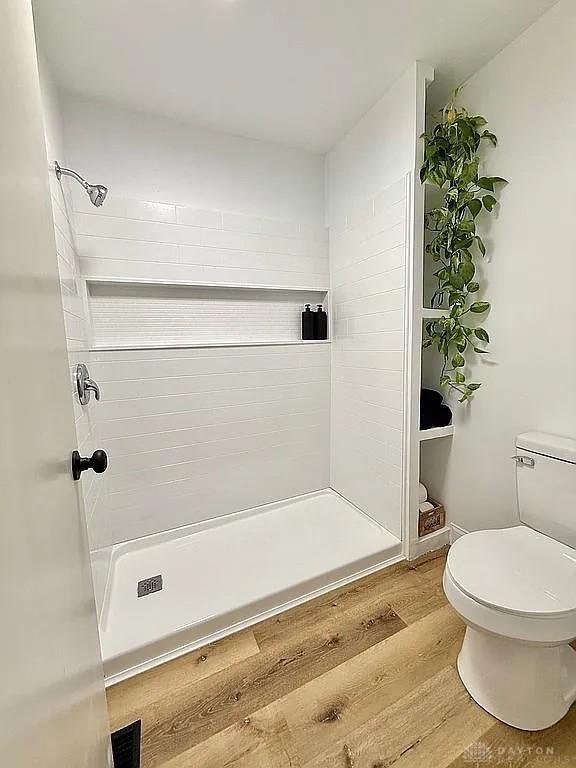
(297, 72)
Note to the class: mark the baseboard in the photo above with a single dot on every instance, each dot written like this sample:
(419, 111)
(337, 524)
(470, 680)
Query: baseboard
(430, 543)
(456, 531)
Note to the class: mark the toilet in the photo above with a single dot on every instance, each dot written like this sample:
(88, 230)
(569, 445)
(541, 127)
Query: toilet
(515, 588)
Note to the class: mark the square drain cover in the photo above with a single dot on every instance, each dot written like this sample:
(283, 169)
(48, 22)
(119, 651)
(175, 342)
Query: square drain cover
(150, 585)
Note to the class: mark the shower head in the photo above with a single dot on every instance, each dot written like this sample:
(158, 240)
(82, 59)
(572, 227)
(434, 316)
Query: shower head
(96, 192)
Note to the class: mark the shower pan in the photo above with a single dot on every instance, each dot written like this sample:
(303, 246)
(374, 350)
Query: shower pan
(173, 592)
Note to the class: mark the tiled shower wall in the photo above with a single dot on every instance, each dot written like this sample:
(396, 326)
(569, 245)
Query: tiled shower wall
(196, 433)
(78, 348)
(135, 240)
(368, 268)
(91, 487)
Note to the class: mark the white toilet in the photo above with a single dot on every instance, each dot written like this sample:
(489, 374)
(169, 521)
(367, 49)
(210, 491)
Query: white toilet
(516, 590)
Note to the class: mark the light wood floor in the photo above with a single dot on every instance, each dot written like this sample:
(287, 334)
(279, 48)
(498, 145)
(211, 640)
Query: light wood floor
(363, 677)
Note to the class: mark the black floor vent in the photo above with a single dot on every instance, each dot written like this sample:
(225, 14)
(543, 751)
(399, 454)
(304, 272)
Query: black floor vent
(126, 746)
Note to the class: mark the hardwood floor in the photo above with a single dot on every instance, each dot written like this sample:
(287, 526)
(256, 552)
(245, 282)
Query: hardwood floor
(363, 677)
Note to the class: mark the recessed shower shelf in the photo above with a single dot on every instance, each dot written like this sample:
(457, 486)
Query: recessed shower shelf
(431, 434)
(139, 314)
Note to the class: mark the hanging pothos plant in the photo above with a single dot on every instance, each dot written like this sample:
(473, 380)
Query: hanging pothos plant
(451, 163)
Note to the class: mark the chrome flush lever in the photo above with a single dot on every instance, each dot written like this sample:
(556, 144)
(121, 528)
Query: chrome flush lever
(524, 461)
(85, 385)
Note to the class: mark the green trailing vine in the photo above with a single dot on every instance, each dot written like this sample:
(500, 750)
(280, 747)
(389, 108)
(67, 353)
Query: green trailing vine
(451, 163)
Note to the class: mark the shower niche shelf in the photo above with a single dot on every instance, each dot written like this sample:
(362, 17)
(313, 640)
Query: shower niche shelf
(141, 314)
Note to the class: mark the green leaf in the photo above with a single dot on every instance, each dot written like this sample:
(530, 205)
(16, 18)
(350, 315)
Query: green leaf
(459, 378)
(474, 387)
(474, 206)
(481, 246)
(473, 287)
(485, 182)
(480, 306)
(458, 361)
(457, 281)
(481, 334)
(489, 202)
(467, 271)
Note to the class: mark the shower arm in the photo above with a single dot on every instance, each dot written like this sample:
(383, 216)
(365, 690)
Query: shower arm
(68, 172)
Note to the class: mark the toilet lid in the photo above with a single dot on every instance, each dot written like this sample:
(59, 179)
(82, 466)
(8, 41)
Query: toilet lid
(517, 570)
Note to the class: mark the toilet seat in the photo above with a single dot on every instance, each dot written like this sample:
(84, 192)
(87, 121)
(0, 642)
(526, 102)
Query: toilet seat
(517, 571)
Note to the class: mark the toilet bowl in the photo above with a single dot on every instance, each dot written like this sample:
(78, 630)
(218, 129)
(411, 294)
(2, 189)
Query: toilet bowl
(515, 589)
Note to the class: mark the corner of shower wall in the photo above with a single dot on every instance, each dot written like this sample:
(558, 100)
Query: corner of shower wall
(369, 181)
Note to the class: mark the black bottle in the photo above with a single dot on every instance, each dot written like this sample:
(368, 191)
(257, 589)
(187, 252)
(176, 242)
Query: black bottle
(308, 324)
(321, 324)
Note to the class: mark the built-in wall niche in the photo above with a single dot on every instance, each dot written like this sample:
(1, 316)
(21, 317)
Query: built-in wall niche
(149, 315)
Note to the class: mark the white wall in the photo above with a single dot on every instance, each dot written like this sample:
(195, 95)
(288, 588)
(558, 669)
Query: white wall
(152, 158)
(91, 486)
(527, 95)
(198, 433)
(368, 210)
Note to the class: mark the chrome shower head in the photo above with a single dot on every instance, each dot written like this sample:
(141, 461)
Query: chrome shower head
(96, 192)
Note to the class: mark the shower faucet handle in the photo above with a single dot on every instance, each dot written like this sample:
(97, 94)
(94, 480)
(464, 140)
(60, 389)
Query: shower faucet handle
(85, 385)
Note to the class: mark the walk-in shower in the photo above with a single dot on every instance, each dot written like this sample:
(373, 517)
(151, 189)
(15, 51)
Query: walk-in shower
(249, 468)
(96, 192)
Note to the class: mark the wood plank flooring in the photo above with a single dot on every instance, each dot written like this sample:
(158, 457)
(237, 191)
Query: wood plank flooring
(363, 677)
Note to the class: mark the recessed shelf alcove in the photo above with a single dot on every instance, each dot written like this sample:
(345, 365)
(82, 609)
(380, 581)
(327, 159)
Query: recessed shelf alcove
(135, 314)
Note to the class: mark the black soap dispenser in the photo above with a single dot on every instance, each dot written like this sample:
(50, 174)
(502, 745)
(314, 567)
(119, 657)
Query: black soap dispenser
(321, 324)
(308, 324)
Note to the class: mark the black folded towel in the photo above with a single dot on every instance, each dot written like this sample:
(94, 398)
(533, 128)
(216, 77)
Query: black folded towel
(433, 412)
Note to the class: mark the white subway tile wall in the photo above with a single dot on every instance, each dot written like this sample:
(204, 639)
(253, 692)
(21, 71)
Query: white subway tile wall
(131, 239)
(194, 434)
(368, 278)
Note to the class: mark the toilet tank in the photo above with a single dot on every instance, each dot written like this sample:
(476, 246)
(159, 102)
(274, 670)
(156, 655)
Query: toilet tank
(546, 484)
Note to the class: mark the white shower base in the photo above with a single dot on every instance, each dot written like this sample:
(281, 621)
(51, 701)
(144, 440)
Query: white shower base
(223, 575)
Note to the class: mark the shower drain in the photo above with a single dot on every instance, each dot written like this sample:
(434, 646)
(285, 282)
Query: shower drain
(150, 585)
